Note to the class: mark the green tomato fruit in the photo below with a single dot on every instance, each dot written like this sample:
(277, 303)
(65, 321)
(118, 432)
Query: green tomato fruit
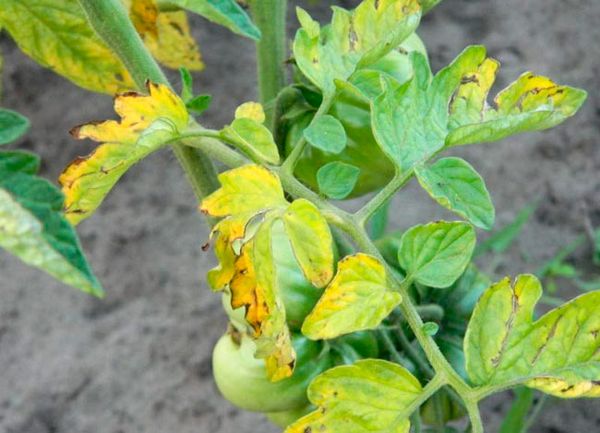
(362, 151)
(286, 418)
(242, 379)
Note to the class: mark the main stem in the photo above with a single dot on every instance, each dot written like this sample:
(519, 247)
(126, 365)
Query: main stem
(270, 17)
(111, 22)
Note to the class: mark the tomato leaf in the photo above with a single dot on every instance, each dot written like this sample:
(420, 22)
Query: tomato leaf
(351, 399)
(455, 184)
(226, 13)
(248, 134)
(12, 126)
(457, 112)
(147, 123)
(311, 241)
(32, 225)
(558, 354)
(358, 298)
(199, 104)
(187, 84)
(326, 133)
(436, 254)
(56, 34)
(248, 189)
(352, 40)
(337, 179)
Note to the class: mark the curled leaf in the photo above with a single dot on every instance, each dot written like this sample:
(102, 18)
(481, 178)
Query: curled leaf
(311, 241)
(558, 354)
(358, 298)
(147, 123)
(371, 396)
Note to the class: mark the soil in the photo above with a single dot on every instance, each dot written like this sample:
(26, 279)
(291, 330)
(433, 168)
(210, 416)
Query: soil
(139, 360)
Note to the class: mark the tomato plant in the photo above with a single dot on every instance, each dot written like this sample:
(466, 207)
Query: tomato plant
(330, 329)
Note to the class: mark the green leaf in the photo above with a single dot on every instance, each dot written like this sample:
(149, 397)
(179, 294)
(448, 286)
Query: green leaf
(427, 5)
(558, 354)
(456, 109)
(226, 13)
(353, 39)
(501, 240)
(187, 85)
(12, 126)
(358, 298)
(455, 184)
(431, 328)
(337, 179)
(436, 254)
(252, 138)
(371, 396)
(56, 34)
(199, 104)
(326, 133)
(311, 241)
(32, 225)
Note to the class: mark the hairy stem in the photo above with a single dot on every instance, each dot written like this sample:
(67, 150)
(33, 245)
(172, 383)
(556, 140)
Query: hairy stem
(270, 17)
(111, 22)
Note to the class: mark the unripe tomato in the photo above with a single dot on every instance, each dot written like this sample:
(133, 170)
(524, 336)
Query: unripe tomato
(242, 379)
(286, 418)
(362, 151)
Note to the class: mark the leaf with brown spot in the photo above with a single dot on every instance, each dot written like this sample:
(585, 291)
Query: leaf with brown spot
(558, 354)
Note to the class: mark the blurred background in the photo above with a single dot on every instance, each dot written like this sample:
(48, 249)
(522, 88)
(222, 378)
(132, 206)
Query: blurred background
(140, 360)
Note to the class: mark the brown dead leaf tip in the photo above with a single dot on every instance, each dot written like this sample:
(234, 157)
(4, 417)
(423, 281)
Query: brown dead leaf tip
(205, 246)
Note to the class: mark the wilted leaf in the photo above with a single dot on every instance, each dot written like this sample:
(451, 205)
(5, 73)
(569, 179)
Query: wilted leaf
(455, 184)
(56, 34)
(358, 298)
(326, 133)
(337, 179)
(32, 225)
(250, 188)
(436, 254)
(223, 12)
(248, 134)
(457, 112)
(147, 123)
(367, 397)
(353, 39)
(558, 354)
(12, 126)
(311, 241)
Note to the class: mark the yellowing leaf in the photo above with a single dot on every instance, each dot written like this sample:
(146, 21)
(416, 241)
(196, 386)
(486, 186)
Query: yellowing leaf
(166, 34)
(558, 354)
(371, 396)
(311, 241)
(147, 123)
(358, 298)
(250, 188)
(175, 46)
(251, 110)
(56, 34)
(353, 39)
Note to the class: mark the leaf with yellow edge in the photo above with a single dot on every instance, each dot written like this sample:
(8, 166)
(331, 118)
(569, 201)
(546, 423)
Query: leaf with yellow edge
(250, 188)
(254, 287)
(311, 241)
(147, 123)
(371, 396)
(166, 34)
(354, 39)
(56, 34)
(358, 298)
(251, 110)
(558, 354)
